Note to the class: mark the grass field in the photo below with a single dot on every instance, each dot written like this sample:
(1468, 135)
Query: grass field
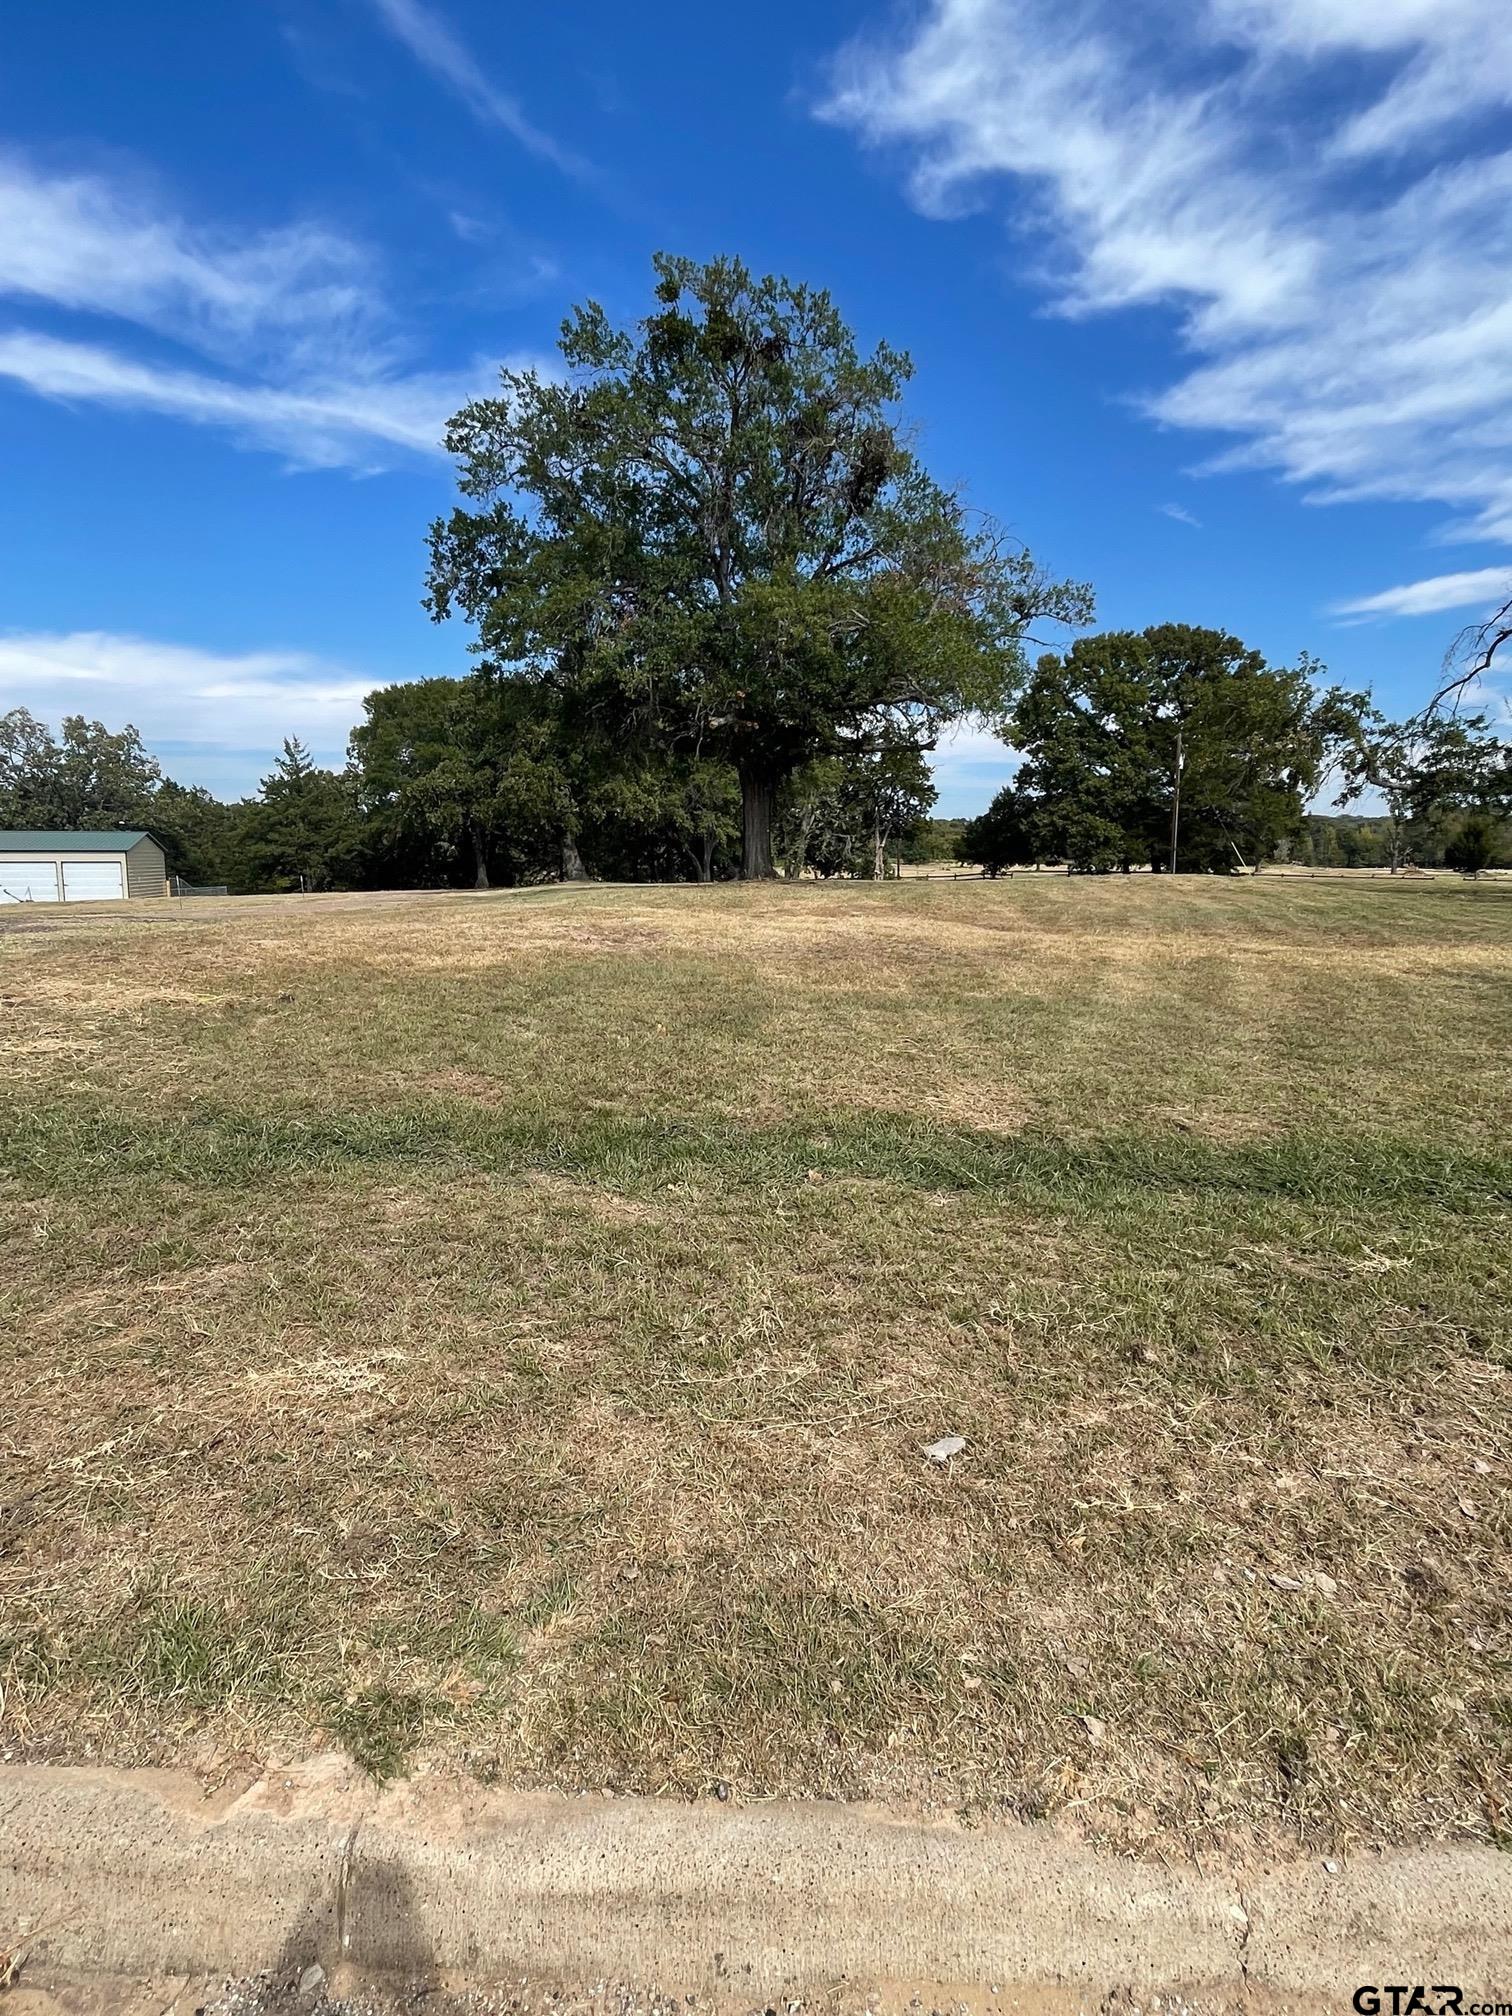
(501, 1331)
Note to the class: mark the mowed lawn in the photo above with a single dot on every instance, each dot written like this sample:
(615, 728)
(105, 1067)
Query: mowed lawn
(500, 1332)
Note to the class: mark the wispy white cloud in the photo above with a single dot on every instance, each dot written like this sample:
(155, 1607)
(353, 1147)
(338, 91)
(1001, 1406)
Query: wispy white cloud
(81, 242)
(435, 44)
(1182, 516)
(296, 340)
(471, 230)
(1477, 589)
(334, 424)
(230, 711)
(1352, 329)
(1453, 59)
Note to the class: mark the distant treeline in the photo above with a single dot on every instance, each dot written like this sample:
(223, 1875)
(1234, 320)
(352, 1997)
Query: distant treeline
(1358, 840)
(453, 782)
(934, 840)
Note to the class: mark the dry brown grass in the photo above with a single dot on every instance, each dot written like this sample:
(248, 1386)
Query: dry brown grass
(503, 1331)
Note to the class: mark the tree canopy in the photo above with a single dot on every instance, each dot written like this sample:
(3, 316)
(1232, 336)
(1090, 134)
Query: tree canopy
(713, 532)
(1001, 837)
(464, 779)
(301, 832)
(85, 776)
(1478, 843)
(1173, 741)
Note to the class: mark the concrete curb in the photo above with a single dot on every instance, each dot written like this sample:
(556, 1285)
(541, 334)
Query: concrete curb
(138, 1873)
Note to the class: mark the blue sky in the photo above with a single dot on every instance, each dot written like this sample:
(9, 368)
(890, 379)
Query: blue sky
(1210, 302)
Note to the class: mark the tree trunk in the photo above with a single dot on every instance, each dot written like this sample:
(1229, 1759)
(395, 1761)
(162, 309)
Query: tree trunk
(480, 866)
(758, 804)
(572, 862)
(879, 849)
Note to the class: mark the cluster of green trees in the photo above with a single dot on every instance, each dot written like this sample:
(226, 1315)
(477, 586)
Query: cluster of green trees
(712, 544)
(1178, 748)
(302, 826)
(721, 614)
(455, 781)
(934, 840)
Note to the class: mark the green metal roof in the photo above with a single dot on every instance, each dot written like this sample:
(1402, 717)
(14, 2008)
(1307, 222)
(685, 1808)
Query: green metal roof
(70, 843)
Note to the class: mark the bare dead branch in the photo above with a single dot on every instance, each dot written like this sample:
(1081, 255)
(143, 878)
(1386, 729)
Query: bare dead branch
(1471, 655)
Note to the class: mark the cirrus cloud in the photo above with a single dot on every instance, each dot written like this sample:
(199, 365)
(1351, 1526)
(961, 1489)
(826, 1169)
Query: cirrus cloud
(438, 48)
(295, 347)
(1313, 187)
(1474, 589)
(316, 422)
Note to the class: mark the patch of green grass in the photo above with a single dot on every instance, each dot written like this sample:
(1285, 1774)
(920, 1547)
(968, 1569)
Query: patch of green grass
(59, 1148)
(184, 1652)
(380, 1727)
(473, 1638)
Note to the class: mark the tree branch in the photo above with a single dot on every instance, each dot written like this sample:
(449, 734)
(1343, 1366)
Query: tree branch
(1480, 642)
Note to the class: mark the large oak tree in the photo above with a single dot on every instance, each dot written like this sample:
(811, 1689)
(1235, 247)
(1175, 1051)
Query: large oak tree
(713, 528)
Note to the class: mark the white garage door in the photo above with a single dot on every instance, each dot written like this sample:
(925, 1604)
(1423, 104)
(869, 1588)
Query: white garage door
(92, 881)
(28, 881)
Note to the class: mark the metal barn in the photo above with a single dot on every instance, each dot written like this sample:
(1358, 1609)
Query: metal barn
(80, 867)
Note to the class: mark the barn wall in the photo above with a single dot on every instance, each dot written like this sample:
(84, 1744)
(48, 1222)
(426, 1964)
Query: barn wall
(146, 870)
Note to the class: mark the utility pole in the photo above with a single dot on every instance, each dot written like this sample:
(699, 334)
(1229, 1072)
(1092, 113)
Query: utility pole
(1176, 801)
